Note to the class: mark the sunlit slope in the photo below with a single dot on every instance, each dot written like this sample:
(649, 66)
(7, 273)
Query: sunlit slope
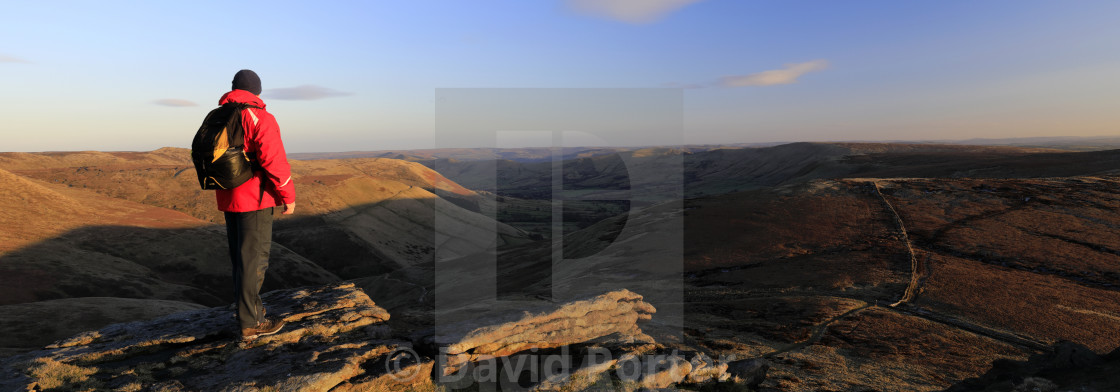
(162, 178)
(167, 156)
(73, 259)
(37, 264)
(64, 242)
(34, 212)
(166, 178)
(355, 217)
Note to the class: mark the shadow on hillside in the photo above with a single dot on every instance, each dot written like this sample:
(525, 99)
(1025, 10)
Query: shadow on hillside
(187, 265)
(1064, 366)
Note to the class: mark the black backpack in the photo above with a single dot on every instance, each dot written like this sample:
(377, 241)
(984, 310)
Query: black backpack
(218, 150)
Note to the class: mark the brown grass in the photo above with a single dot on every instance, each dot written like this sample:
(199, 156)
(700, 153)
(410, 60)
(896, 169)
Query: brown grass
(750, 227)
(52, 374)
(1047, 307)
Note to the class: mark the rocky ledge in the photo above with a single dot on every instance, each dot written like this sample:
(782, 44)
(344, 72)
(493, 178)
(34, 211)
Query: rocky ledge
(337, 339)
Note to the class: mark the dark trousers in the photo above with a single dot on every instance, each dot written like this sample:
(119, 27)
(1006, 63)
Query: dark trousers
(250, 241)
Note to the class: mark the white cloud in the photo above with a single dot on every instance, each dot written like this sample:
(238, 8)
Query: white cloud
(175, 102)
(305, 92)
(787, 75)
(629, 11)
(10, 59)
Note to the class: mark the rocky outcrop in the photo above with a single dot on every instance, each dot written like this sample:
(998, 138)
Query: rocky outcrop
(587, 344)
(335, 335)
(337, 339)
(615, 314)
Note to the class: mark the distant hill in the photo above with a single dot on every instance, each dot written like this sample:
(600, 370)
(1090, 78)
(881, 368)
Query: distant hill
(721, 170)
(1072, 143)
(526, 154)
(540, 154)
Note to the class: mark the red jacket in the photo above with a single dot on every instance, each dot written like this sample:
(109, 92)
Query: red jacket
(262, 136)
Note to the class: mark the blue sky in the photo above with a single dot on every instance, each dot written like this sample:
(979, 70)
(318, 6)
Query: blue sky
(343, 76)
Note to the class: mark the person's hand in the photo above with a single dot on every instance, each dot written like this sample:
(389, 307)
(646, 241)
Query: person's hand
(289, 208)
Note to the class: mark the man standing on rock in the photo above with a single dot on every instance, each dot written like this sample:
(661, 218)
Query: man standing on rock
(249, 207)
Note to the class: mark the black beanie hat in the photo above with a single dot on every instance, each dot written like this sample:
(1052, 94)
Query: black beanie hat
(247, 80)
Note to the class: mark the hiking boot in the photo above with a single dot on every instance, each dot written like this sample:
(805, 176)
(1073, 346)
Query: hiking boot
(267, 327)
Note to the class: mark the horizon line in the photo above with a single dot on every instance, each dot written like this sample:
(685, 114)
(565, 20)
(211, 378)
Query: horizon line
(1017, 139)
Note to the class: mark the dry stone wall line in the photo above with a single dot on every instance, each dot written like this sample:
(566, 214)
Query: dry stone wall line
(979, 330)
(1005, 337)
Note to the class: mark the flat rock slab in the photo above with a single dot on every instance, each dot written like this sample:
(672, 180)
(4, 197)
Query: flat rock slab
(607, 318)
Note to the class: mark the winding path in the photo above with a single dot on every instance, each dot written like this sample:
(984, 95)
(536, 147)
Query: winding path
(818, 332)
(918, 270)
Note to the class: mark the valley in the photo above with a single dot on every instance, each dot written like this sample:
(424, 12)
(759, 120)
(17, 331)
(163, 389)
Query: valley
(846, 266)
